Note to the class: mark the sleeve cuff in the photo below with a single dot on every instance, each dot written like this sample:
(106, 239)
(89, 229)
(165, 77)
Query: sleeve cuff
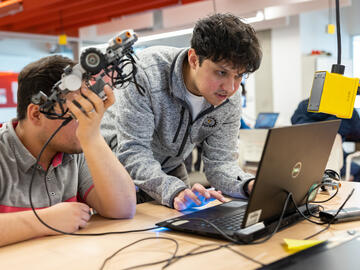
(246, 186)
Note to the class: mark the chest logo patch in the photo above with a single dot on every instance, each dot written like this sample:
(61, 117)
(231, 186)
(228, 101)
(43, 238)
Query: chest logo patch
(210, 122)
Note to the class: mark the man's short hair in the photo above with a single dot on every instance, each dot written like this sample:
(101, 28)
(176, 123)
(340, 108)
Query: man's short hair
(224, 37)
(39, 76)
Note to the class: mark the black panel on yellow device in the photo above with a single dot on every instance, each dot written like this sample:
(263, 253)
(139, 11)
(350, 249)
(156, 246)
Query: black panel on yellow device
(293, 159)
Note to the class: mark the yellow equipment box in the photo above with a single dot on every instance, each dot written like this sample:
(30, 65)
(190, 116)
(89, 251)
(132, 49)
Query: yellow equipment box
(333, 93)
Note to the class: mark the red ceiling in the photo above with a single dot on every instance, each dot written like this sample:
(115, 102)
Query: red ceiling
(54, 17)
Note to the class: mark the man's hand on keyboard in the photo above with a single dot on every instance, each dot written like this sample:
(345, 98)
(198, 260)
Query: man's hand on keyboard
(197, 196)
(250, 186)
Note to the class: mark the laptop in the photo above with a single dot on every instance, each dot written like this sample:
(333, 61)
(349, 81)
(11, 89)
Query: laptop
(293, 159)
(266, 120)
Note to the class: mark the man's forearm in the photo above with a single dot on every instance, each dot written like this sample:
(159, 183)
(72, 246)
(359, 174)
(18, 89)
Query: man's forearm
(19, 226)
(114, 193)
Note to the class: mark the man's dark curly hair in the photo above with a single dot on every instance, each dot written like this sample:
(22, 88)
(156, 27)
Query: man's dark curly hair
(224, 37)
(39, 76)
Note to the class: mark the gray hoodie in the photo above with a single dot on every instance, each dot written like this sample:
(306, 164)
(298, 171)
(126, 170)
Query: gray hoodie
(153, 134)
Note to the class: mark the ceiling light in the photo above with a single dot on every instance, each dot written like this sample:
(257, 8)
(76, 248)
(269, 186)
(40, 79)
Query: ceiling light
(259, 17)
(166, 35)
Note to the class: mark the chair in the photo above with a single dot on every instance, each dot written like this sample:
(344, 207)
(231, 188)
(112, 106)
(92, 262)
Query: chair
(251, 144)
(336, 157)
(349, 159)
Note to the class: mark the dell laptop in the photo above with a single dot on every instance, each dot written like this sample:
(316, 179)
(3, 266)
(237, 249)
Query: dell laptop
(293, 159)
(266, 120)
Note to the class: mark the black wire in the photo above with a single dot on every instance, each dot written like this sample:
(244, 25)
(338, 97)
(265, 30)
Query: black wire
(122, 78)
(233, 240)
(118, 80)
(193, 253)
(322, 223)
(338, 32)
(334, 217)
(241, 242)
(332, 196)
(227, 237)
(139, 87)
(322, 230)
(332, 174)
(170, 260)
(314, 190)
(147, 264)
(175, 258)
(278, 224)
(65, 122)
(245, 256)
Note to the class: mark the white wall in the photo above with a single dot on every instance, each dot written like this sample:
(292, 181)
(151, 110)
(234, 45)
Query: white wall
(286, 69)
(305, 33)
(350, 17)
(17, 53)
(356, 57)
(7, 114)
(14, 55)
(314, 37)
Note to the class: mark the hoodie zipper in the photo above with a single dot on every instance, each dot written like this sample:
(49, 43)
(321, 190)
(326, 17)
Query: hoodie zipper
(179, 126)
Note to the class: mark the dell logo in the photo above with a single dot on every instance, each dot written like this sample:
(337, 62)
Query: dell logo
(296, 170)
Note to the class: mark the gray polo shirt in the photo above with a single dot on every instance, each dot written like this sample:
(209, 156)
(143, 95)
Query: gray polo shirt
(68, 178)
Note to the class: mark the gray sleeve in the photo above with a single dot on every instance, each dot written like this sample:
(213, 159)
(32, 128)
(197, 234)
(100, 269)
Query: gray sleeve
(220, 156)
(128, 127)
(85, 182)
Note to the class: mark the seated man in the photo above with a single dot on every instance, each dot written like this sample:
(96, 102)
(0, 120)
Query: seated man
(66, 181)
(189, 98)
(349, 129)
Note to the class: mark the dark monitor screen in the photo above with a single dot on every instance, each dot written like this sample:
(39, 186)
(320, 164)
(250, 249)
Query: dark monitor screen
(266, 120)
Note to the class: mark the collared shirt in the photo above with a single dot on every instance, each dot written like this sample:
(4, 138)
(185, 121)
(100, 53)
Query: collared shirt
(68, 178)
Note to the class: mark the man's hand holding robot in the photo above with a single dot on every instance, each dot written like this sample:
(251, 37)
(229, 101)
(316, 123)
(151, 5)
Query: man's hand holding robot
(93, 67)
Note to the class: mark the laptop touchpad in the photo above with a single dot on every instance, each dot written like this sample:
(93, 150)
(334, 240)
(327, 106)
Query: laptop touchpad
(235, 203)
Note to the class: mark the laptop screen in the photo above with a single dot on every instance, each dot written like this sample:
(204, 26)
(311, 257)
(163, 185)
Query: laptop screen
(266, 120)
(293, 159)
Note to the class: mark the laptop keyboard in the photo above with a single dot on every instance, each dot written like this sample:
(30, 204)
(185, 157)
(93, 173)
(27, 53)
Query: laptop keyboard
(232, 223)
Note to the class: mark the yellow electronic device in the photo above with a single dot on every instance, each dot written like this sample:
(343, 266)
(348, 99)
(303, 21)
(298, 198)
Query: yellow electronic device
(333, 93)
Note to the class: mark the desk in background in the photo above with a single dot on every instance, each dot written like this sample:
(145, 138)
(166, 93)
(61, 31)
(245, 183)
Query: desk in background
(74, 252)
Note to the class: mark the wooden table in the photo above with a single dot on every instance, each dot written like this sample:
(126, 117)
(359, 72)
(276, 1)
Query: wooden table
(74, 252)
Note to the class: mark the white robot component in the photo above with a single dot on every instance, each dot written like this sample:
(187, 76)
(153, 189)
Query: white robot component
(94, 65)
(93, 61)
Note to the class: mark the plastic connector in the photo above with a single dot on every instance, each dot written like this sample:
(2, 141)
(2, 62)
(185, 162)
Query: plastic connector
(328, 182)
(339, 69)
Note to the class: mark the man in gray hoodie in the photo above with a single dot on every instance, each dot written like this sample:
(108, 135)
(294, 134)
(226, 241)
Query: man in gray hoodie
(182, 98)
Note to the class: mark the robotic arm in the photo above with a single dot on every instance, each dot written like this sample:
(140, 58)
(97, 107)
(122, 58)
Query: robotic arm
(93, 67)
